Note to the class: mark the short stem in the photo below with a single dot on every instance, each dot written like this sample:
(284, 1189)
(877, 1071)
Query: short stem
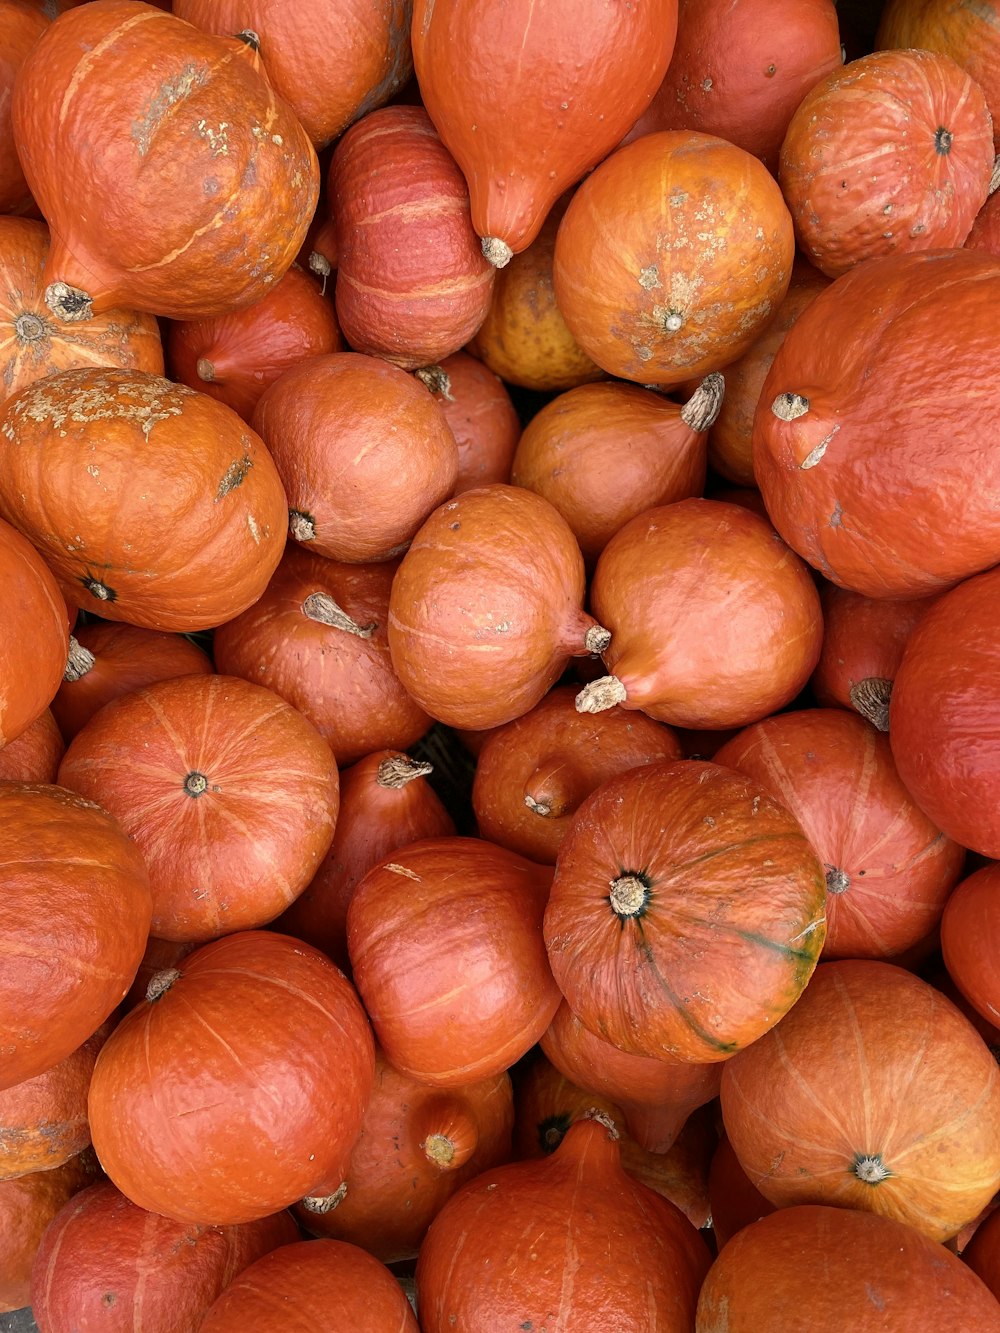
(629, 895)
(29, 328)
(597, 639)
(436, 380)
(447, 1132)
(320, 607)
(871, 697)
(870, 1168)
(195, 784)
(496, 251)
(600, 695)
(70, 304)
(325, 1203)
(700, 411)
(302, 527)
(790, 406)
(604, 1119)
(79, 662)
(205, 369)
(837, 881)
(160, 983)
(399, 769)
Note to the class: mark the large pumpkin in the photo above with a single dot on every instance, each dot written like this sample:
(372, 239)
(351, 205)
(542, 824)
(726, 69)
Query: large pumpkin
(34, 640)
(28, 1206)
(21, 25)
(970, 930)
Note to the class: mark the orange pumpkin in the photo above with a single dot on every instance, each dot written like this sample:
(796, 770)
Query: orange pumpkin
(482, 418)
(35, 638)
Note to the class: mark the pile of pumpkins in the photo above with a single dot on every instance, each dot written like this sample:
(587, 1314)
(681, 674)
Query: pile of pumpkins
(500, 665)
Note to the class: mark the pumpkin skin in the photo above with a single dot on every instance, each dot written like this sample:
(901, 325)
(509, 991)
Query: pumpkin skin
(310, 1285)
(550, 96)
(533, 773)
(482, 418)
(694, 246)
(158, 956)
(714, 622)
(982, 1254)
(861, 440)
(476, 1271)
(331, 63)
(35, 755)
(150, 503)
(446, 948)
(844, 1271)
(417, 1146)
(27, 1207)
(889, 870)
(75, 960)
(364, 453)
(201, 1050)
(969, 932)
(714, 921)
(891, 154)
(734, 1201)
(106, 1264)
(35, 638)
(944, 715)
(486, 607)
(654, 448)
(21, 25)
(815, 1119)
(985, 233)
(235, 357)
(317, 636)
(412, 283)
(230, 794)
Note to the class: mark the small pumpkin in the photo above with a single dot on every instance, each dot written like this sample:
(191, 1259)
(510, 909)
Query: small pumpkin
(35, 638)
(28, 1206)
(35, 755)
(734, 1200)
(482, 418)
(969, 931)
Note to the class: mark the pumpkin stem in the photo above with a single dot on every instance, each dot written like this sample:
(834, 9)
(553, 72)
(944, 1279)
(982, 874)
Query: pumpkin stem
(537, 807)
(497, 252)
(67, 303)
(195, 784)
(301, 526)
(597, 639)
(870, 1168)
(629, 895)
(554, 787)
(160, 983)
(325, 1203)
(399, 769)
(249, 38)
(29, 328)
(604, 1119)
(837, 881)
(700, 411)
(943, 140)
(80, 661)
(600, 695)
(321, 266)
(870, 697)
(321, 607)
(451, 1137)
(205, 369)
(995, 178)
(790, 406)
(437, 380)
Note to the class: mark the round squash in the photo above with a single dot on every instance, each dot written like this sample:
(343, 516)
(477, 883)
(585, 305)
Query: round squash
(482, 418)
(21, 25)
(28, 1207)
(34, 640)
(35, 755)
(970, 930)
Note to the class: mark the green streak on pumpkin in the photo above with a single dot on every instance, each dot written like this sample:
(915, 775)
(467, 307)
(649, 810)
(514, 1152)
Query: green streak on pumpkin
(729, 1047)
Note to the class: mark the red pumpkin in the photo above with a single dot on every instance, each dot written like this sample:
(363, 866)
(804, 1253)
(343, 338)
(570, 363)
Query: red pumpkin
(527, 103)
(985, 233)
(498, 1255)
(150, 503)
(235, 357)
(713, 922)
(21, 25)
(982, 1254)
(212, 1039)
(944, 716)
(446, 948)
(864, 423)
(71, 963)
(106, 1264)
(482, 419)
(970, 930)
(363, 451)
(230, 794)
(35, 637)
(486, 607)
(714, 622)
(35, 755)
(28, 1206)
(412, 283)
(735, 1202)
(817, 1119)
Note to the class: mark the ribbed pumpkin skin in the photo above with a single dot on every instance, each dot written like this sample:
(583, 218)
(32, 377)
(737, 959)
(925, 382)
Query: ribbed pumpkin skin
(412, 283)
(77, 911)
(258, 1121)
(842, 1271)
(891, 154)
(969, 934)
(527, 102)
(173, 178)
(150, 503)
(694, 246)
(873, 1093)
(331, 62)
(482, 418)
(35, 755)
(107, 1265)
(21, 25)
(944, 716)
(228, 791)
(34, 639)
(27, 1207)
(725, 932)
(866, 483)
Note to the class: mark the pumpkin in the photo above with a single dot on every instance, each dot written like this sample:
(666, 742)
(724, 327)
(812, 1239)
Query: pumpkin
(686, 914)
(158, 956)
(714, 622)
(151, 503)
(363, 451)
(235, 357)
(212, 1039)
(734, 1201)
(985, 232)
(27, 1207)
(21, 25)
(498, 1253)
(738, 71)
(331, 62)
(843, 1271)
(969, 929)
(861, 440)
(35, 638)
(901, 1117)
(385, 803)
(533, 773)
(944, 715)
(445, 941)
(319, 250)
(71, 963)
(35, 755)
(982, 1254)
(412, 283)
(109, 659)
(549, 96)
(486, 607)
(318, 637)
(481, 416)
(891, 154)
(213, 178)
(889, 870)
(309, 1285)
(694, 247)
(230, 794)
(417, 1146)
(654, 448)
(105, 1263)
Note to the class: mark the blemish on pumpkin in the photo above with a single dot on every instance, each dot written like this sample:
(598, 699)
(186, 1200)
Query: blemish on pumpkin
(162, 103)
(99, 590)
(837, 517)
(402, 870)
(649, 277)
(216, 139)
(254, 530)
(234, 476)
